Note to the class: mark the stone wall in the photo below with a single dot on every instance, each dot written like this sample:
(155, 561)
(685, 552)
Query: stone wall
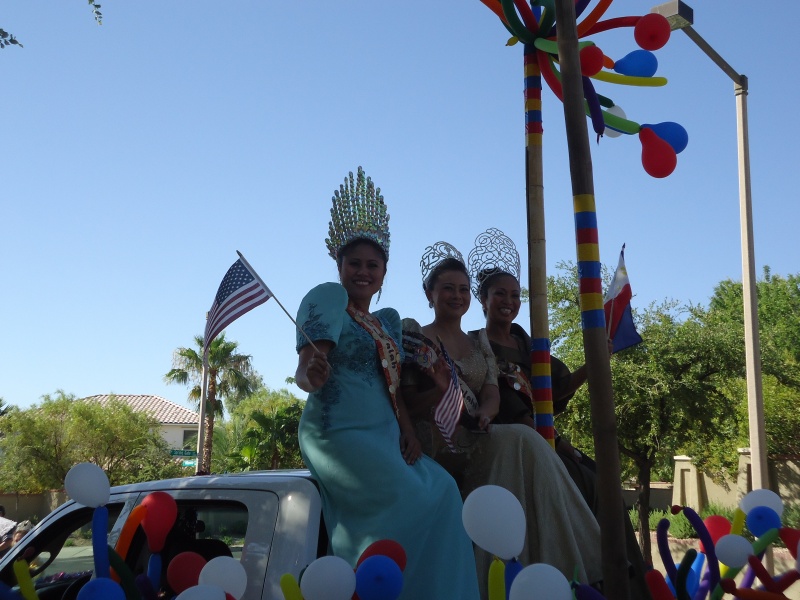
(697, 490)
(31, 506)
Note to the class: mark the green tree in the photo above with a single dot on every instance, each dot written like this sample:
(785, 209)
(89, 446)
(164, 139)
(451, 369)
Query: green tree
(668, 391)
(43, 442)
(271, 440)
(779, 333)
(230, 378)
(778, 317)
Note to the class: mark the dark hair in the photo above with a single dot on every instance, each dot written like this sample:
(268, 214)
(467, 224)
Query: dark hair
(486, 277)
(448, 264)
(357, 242)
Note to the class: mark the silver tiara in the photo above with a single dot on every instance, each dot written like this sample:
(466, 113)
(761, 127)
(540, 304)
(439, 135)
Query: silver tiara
(358, 212)
(494, 252)
(434, 255)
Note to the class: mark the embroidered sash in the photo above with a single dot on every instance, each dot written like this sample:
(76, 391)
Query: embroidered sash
(516, 378)
(423, 352)
(387, 351)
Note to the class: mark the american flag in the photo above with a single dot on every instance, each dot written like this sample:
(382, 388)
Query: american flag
(240, 291)
(449, 408)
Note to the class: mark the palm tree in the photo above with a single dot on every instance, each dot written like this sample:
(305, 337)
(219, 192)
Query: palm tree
(229, 378)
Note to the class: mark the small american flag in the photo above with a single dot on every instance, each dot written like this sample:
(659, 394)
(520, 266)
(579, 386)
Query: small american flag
(448, 411)
(241, 291)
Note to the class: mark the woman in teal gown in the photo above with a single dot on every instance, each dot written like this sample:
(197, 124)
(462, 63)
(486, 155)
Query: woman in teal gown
(358, 442)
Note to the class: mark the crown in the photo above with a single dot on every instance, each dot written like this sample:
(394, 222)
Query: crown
(434, 255)
(358, 212)
(494, 252)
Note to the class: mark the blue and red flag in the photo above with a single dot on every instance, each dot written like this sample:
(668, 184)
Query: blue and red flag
(617, 305)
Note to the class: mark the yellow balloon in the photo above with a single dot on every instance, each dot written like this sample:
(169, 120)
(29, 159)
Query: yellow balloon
(630, 79)
(497, 580)
(738, 521)
(290, 587)
(22, 571)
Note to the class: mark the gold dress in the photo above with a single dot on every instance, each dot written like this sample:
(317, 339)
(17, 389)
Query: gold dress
(561, 530)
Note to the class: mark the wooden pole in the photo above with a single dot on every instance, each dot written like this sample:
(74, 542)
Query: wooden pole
(537, 256)
(598, 367)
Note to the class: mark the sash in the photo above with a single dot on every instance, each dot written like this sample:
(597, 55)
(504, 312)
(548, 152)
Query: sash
(387, 351)
(423, 352)
(516, 378)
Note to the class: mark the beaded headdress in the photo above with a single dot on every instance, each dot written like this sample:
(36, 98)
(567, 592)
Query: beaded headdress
(494, 252)
(358, 212)
(434, 255)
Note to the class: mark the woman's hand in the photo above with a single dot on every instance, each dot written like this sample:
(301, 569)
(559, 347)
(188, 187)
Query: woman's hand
(489, 399)
(313, 368)
(440, 373)
(410, 447)
(318, 370)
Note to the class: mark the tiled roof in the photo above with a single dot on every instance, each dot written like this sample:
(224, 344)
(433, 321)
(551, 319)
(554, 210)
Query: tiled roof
(164, 411)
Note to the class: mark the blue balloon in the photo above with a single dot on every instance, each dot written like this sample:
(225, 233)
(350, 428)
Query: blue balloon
(101, 589)
(379, 578)
(6, 593)
(513, 567)
(639, 63)
(102, 566)
(761, 519)
(693, 581)
(672, 133)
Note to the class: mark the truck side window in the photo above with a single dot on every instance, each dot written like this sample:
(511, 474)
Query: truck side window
(61, 552)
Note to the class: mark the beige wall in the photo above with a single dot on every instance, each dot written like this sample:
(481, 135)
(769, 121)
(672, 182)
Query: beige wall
(31, 506)
(696, 490)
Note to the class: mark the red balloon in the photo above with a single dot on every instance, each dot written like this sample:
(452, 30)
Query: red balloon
(159, 518)
(658, 157)
(790, 537)
(184, 571)
(652, 31)
(591, 60)
(658, 586)
(717, 526)
(388, 548)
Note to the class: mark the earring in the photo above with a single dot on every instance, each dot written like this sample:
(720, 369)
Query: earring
(430, 304)
(380, 289)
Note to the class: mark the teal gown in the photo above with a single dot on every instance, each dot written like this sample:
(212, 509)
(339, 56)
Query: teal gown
(350, 440)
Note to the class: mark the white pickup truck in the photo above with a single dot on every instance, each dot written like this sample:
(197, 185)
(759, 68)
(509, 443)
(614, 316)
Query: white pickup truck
(271, 521)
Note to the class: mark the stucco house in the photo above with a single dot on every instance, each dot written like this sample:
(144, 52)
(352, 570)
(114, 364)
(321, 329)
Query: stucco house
(178, 424)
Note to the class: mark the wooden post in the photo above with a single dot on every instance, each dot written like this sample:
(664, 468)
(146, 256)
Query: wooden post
(604, 427)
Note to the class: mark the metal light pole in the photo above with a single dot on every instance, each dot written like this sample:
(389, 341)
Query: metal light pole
(680, 16)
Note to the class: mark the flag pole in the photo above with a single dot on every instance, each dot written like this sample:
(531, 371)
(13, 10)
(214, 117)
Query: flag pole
(201, 426)
(266, 287)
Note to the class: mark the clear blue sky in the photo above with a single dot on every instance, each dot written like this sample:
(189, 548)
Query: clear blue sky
(139, 155)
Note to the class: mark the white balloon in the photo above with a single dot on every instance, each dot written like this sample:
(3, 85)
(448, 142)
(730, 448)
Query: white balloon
(202, 592)
(617, 112)
(761, 498)
(495, 521)
(225, 572)
(540, 581)
(87, 484)
(328, 578)
(732, 550)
